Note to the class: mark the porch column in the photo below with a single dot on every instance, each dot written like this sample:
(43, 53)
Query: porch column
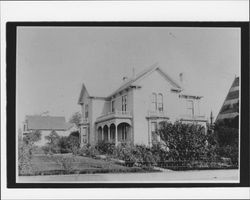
(116, 135)
(102, 134)
(108, 134)
(149, 134)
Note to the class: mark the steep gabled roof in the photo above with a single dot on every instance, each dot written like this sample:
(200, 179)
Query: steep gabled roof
(131, 81)
(230, 106)
(37, 122)
(94, 90)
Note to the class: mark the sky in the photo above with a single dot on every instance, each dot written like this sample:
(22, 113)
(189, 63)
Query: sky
(53, 62)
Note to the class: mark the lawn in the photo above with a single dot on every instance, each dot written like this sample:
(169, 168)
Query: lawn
(69, 164)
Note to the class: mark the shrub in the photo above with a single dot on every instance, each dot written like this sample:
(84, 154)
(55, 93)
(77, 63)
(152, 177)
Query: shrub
(160, 154)
(64, 144)
(105, 147)
(24, 158)
(227, 141)
(88, 150)
(52, 144)
(135, 155)
(145, 155)
(73, 144)
(25, 152)
(124, 152)
(184, 141)
(32, 137)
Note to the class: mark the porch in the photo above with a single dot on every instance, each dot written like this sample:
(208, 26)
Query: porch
(114, 132)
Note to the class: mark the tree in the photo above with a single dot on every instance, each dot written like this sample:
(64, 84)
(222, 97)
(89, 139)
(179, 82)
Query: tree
(75, 134)
(53, 141)
(76, 119)
(52, 138)
(185, 142)
(25, 150)
(32, 137)
(228, 139)
(70, 143)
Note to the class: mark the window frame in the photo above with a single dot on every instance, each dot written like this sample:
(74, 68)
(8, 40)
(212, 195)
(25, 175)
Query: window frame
(154, 101)
(191, 107)
(160, 102)
(124, 102)
(112, 106)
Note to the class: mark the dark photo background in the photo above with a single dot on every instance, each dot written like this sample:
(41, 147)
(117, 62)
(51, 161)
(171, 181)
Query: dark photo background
(11, 103)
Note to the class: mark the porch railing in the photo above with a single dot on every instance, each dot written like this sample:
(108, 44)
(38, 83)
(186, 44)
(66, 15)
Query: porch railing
(116, 113)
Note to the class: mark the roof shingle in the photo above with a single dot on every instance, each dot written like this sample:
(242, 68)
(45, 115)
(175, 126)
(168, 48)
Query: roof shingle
(36, 122)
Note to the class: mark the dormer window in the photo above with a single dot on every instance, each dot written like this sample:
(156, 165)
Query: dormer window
(160, 102)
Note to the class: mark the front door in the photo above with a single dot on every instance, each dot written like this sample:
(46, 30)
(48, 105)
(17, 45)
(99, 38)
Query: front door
(84, 135)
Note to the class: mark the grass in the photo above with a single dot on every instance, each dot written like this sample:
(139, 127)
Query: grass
(49, 165)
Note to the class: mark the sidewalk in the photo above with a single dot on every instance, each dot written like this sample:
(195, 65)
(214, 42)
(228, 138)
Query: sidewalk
(166, 176)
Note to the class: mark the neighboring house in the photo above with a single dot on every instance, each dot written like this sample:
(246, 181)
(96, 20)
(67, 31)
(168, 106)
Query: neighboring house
(133, 112)
(46, 124)
(230, 107)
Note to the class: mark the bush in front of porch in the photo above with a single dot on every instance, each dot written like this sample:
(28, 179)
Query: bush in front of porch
(139, 155)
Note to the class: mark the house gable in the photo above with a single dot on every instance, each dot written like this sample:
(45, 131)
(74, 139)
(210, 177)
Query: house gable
(133, 82)
(82, 94)
(173, 84)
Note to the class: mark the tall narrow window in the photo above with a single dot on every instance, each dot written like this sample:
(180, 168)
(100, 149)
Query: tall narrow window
(160, 102)
(190, 107)
(86, 111)
(154, 101)
(124, 103)
(113, 106)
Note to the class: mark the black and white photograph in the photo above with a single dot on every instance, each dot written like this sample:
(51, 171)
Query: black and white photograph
(128, 104)
(124, 100)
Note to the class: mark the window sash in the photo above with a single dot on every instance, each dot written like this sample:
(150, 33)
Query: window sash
(160, 102)
(112, 106)
(154, 101)
(190, 107)
(124, 103)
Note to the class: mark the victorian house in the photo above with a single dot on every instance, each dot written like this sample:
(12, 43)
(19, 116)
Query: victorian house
(133, 111)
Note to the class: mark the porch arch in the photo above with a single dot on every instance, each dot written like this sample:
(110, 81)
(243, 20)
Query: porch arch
(105, 133)
(112, 132)
(124, 131)
(100, 133)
